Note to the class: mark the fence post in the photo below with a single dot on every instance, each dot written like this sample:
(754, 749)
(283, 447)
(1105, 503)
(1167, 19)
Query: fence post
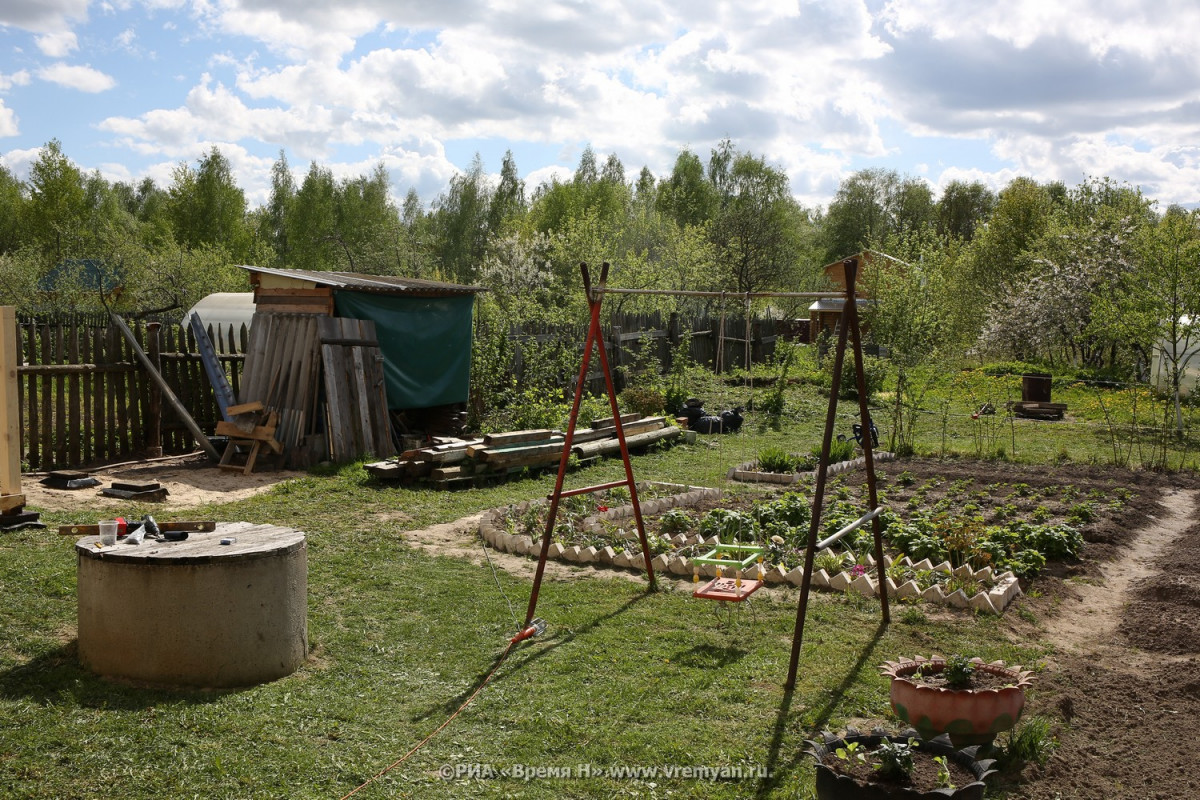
(616, 359)
(154, 406)
(10, 405)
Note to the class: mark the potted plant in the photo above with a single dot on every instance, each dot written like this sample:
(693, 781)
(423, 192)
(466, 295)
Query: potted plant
(966, 698)
(877, 765)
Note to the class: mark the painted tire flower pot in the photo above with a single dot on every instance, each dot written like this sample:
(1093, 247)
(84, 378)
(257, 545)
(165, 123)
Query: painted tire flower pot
(833, 785)
(971, 716)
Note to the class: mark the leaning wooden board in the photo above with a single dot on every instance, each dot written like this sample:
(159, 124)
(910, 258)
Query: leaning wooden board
(355, 397)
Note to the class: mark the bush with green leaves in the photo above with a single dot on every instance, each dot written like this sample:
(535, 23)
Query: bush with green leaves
(777, 459)
(729, 526)
(793, 509)
(1052, 541)
(674, 522)
(839, 450)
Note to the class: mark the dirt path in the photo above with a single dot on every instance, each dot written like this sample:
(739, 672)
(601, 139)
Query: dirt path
(1122, 688)
(460, 539)
(1087, 625)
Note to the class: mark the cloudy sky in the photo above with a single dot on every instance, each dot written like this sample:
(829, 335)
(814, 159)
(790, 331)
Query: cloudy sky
(941, 89)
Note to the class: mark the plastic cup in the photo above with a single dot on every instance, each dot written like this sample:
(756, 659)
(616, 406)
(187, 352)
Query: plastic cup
(108, 531)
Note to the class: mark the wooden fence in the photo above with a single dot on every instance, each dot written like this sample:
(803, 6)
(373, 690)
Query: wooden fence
(86, 400)
(629, 336)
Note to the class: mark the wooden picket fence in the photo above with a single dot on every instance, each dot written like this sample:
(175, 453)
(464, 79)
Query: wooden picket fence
(86, 400)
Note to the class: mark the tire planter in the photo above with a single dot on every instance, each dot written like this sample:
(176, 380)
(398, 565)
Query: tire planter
(969, 716)
(832, 785)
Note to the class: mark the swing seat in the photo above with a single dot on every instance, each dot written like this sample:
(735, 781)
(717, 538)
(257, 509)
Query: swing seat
(726, 589)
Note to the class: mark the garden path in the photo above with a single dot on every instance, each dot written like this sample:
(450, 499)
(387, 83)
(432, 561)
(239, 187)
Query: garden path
(1086, 625)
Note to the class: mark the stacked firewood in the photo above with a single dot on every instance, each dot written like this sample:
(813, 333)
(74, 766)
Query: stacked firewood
(446, 461)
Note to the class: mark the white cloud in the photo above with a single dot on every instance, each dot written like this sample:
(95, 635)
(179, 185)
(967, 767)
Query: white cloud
(8, 121)
(84, 79)
(20, 78)
(42, 16)
(58, 45)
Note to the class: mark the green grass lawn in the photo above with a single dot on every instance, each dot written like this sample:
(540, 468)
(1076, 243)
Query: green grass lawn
(399, 639)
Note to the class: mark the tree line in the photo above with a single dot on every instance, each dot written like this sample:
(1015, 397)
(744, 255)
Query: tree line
(1092, 275)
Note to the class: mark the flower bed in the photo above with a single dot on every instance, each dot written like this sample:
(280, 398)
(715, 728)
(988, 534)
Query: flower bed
(751, 471)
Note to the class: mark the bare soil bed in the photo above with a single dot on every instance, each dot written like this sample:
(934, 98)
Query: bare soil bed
(1124, 689)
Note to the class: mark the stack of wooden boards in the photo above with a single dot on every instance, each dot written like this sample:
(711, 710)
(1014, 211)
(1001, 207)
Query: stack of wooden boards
(448, 461)
(290, 359)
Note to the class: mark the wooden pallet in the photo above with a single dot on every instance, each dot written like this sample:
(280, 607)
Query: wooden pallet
(1036, 410)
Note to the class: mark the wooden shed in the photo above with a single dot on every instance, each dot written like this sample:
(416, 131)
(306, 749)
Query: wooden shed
(825, 313)
(387, 348)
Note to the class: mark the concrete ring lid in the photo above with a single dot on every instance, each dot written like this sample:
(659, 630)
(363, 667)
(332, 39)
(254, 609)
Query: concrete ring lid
(202, 547)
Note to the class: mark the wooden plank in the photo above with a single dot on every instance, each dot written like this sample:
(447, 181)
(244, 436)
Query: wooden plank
(172, 400)
(10, 405)
(514, 437)
(243, 408)
(99, 428)
(10, 502)
(509, 455)
(121, 384)
(606, 446)
(610, 422)
(47, 399)
(74, 436)
(33, 445)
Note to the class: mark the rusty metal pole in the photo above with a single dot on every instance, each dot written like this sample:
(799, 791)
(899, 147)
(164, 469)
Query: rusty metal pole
(868, 444)
(593, 335)
(818, 495)
(620, 426)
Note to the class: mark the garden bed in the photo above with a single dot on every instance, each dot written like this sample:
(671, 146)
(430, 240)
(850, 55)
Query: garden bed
(751, 472)
(964, 541)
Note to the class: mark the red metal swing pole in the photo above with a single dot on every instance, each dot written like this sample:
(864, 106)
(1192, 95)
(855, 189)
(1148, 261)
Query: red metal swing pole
(593, 337)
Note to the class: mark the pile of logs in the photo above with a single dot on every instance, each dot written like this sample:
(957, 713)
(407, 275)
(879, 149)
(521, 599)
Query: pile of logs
(448, 461)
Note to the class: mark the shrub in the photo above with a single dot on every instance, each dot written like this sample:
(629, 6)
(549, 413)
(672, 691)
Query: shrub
(644, 401)
(728, 526)
(674, 522)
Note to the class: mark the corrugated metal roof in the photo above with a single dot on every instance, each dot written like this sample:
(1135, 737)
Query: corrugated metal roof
(358, 282)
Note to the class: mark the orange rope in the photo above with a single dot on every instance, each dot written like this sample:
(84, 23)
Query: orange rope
(438, 730)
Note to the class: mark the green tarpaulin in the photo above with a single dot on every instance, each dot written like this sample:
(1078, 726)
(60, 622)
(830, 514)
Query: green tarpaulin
(426, 344)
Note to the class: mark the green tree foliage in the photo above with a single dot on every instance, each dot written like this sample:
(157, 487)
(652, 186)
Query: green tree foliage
(757, 232)
(57, 207)
(311, 220)
(508, 201)
(963, 208)
(206, 207)
(1048, 310)
(687, 196)
(459, 225)
(871, 205)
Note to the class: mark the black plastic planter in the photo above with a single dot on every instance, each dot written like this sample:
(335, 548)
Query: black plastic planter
(832, 785)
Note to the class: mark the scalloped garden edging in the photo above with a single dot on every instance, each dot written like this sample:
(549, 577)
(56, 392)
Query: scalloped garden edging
(1002, 588)
(747, 473)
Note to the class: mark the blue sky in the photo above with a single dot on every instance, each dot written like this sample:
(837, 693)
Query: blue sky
(936, 89)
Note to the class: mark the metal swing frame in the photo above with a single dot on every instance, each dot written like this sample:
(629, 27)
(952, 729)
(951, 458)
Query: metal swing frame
(848, 330)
